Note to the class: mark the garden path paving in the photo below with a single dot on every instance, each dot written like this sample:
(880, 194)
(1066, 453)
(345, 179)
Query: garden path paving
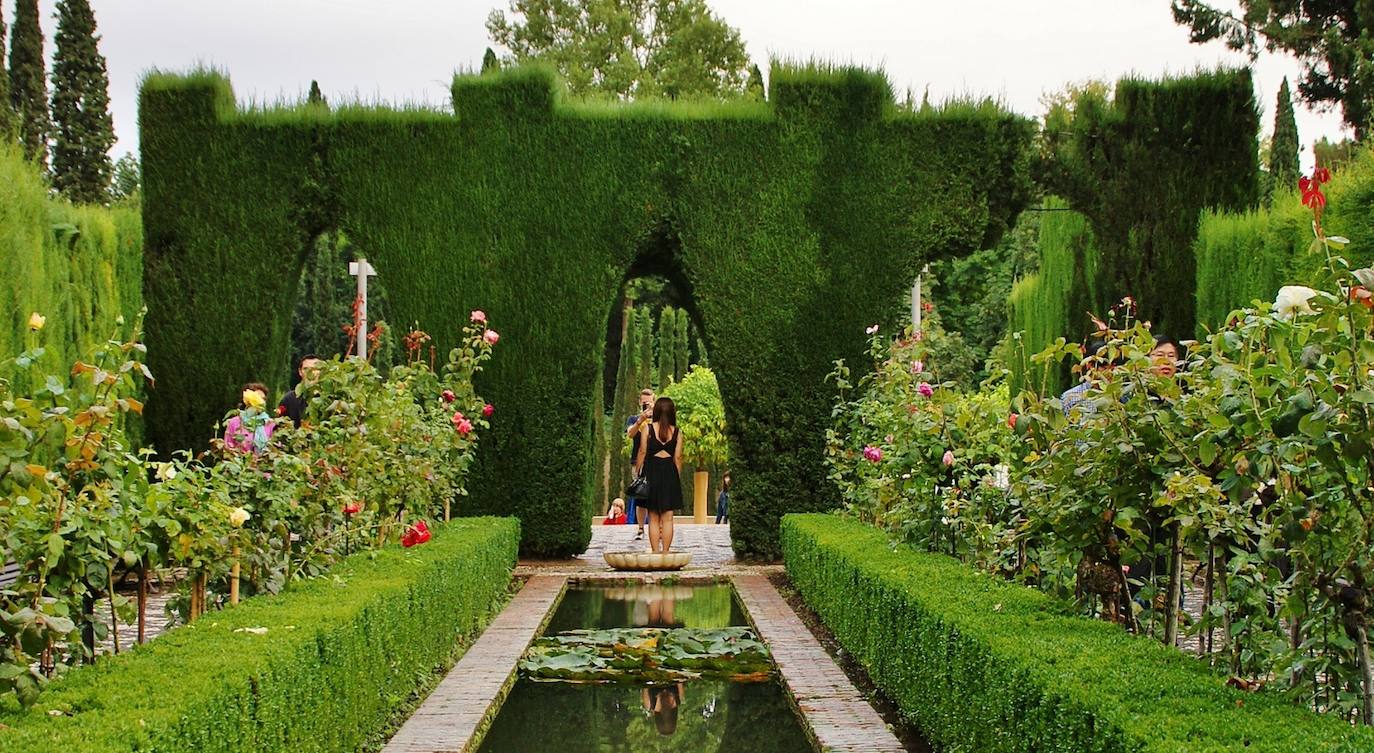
(470, 693)
(708, 543)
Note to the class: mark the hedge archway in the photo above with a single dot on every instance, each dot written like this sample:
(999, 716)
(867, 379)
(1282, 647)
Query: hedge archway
(801, 221)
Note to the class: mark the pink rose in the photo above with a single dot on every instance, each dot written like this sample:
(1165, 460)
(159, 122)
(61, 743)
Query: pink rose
(490, 336)
(948, 459)
(873, 454)
(917, 367)
(479, 316)
(458, 418)
(925, 389)
(487, 410)
(448, 396)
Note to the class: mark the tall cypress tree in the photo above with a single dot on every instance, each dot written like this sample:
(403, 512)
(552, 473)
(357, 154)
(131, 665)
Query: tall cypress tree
(681, 346)
(28, 82)
(82, 125)
(1283, 151)
(316, 97)
(754, 88)
(667, 326)
(644, 339)
(490, 63)
(6, 110)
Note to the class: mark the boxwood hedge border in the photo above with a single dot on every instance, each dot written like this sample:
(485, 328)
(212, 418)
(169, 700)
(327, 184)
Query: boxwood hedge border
(339, 654)
(980, 664)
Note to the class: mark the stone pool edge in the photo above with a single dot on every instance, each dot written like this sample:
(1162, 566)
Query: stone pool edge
(834, 713)
(455, 715)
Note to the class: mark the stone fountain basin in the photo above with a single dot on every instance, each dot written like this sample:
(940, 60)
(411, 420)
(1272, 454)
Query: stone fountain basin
(648, 560)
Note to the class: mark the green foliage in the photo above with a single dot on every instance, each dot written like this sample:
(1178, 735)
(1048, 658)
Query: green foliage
(490, 63)
(648, 48)
(1054, 301)
(682, 357)
(324, 306)
(1283, 149)
(538, 212)
(28, 82)
(7, 120)
(972, 292)
(80, 267)
(317, 668)
(755, 87)
(1244, 257)
(917, 457)
(316, 97)
(1329, 40)
(83, 131)
(701, 417)
(979, 664)
(667, 354)
(127, 181)
(1186, 144)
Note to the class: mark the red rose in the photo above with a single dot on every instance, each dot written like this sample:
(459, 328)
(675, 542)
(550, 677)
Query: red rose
(487, 410)
(1321, 175)
(416, 534)
(281, 410)
(448, 396)
(1011, 420)
(352, 508)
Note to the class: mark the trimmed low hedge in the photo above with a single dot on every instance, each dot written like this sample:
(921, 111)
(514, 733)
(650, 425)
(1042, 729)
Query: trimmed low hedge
(339, 655)
(980, 664)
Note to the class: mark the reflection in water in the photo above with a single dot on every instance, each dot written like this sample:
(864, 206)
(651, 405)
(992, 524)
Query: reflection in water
(703, 716)
(648, 605)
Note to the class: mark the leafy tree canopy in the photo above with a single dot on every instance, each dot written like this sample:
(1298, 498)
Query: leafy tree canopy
(627, 48)
(1332, 39)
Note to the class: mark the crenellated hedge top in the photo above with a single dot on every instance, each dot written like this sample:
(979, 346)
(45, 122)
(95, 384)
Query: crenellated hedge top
(793, 224)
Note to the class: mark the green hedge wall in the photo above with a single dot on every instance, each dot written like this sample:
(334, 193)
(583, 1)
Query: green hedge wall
(979, 664)
(1052, 302)
(339, 655)
(793, 224)
(1141, 167)
(81, 267)
(1247, 256)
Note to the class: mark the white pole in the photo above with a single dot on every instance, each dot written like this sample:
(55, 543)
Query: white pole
(362, 270)
(916, 300)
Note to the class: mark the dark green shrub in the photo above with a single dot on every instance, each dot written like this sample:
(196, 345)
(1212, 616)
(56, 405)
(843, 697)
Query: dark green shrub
(983, 665)
(1140, 167)
(339, 654)
(792, 225)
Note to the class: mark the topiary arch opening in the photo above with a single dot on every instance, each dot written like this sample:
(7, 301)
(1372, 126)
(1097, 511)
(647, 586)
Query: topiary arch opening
(799, 219)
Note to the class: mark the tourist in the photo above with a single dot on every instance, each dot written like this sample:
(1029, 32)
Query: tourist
(293, 405)
(660, 460)
(250, 429)
(1164, 357)
(662, 701)
(723, 501)
(633, 426)
(1077, 395)
(616, 515)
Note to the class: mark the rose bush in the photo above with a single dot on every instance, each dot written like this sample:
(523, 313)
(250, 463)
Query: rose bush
(80, 506)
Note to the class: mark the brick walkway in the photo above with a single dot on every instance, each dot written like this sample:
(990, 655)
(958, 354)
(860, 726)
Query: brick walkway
(839, 718)
(708, 543)
(469, 695)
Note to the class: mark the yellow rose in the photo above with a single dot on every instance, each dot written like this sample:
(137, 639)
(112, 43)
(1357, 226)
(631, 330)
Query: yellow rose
(238, 517)
(254, 399)
(36, 321)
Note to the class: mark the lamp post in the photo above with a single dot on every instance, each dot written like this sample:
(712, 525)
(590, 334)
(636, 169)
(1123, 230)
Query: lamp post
(362, 270)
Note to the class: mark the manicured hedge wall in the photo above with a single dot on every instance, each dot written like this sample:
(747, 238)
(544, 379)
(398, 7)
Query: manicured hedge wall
(1248, 256)
(81, 267)
(1141, 167)
(794, 225)
(340, 653)
(1052, 302)
(983, 665)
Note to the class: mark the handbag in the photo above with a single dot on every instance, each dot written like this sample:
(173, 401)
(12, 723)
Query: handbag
(638, 488)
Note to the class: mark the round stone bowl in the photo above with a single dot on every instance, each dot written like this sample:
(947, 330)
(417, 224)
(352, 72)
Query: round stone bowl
(648, 560)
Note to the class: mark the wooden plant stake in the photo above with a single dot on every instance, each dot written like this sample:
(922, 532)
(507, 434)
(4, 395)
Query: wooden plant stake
(234, 578)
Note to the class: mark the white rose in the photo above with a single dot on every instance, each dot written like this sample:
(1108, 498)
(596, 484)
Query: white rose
(238, 517)
(1293, 300)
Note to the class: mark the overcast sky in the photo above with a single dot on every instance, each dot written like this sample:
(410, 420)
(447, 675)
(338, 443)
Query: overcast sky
(407, 50)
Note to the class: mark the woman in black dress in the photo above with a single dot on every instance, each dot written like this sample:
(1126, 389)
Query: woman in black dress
(660, 460)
